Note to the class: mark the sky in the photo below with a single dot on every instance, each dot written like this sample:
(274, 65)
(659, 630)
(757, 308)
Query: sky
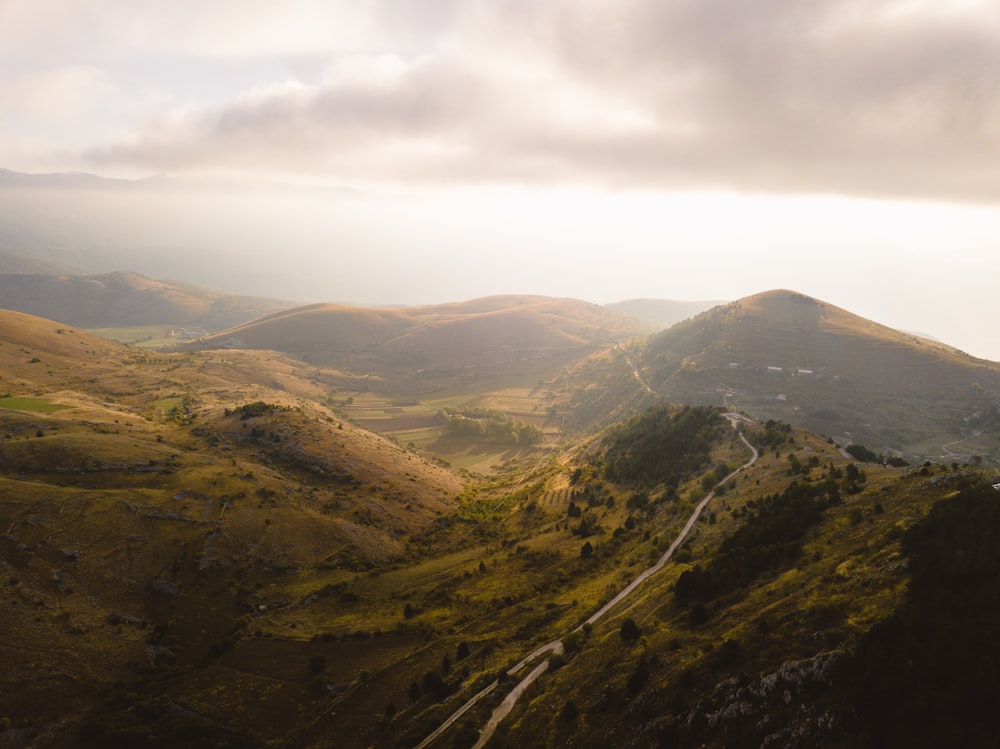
(377, 151)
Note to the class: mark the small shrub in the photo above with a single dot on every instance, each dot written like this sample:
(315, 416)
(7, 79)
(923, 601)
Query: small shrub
(569, 712)
(629, 631)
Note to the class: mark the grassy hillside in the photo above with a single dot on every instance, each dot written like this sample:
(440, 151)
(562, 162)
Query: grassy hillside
(155, 506)
(800, 562)
(211, 549)
(497, 336)
(788, 356)
(198, 547)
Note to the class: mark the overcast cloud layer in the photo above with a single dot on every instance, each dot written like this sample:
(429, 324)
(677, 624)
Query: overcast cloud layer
(856, 97)
(599, 149)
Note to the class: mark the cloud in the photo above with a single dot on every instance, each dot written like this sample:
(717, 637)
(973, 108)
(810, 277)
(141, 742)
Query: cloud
(54, 94)
(875, 97)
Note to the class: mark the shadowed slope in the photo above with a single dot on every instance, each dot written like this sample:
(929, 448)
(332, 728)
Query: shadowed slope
(789, 356)
(477, 333)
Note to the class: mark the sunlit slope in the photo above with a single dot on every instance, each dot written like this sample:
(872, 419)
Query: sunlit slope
(479, 333)
(126, 299)
(93, 405)
(150, 502)
(786, 355)
(36, 351)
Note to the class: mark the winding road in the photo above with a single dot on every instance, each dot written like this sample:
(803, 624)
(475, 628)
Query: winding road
(556, 646)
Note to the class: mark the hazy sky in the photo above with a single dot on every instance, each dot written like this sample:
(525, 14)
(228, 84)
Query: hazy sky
(601, 149)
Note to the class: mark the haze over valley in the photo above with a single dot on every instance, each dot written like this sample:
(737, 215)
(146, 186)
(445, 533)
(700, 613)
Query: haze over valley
(487, 374)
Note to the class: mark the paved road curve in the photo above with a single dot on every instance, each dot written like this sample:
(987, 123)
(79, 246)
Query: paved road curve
(681, 537)
(556, 646)
(508, 704)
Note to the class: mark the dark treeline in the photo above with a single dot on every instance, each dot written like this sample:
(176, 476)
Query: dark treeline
(774, 434)
(867, 455)
(770, 536)
(487, 425)
(662, 446)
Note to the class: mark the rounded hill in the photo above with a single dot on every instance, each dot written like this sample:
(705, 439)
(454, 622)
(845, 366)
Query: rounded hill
(786, 355)
(478, 333)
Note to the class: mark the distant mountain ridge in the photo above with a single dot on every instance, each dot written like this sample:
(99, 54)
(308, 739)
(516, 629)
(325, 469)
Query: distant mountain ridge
(16, 263)
(510, 333)
(663, 312)
(11, 178)
(124, 299)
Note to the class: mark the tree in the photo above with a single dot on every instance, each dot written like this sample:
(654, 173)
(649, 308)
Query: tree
(573, 642)
(588, 526)
(862, 453)
(586, 551)
(408, 611)
(462, 652)
(629, 631)
(692, 584)
(569, 712)
(435, 686)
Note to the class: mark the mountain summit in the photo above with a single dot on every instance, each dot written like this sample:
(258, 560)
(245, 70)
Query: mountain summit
(786, 355)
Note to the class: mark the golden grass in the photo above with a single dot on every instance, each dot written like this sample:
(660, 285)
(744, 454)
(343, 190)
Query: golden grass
(297, 534)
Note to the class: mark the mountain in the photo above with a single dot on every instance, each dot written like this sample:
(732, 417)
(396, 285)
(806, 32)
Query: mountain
(502, 334)
(205, 548)
(71, 180)
(21, 264)
(116, 300)
(662, 313)
(785, 355)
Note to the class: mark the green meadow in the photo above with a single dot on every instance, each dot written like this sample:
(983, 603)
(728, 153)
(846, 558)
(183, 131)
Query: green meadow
(36, 405)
